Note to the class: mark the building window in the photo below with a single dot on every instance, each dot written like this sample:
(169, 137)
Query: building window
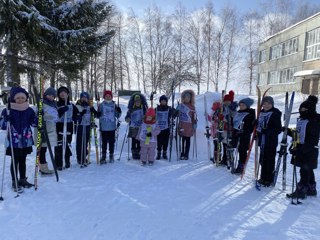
(284, 49)
(281, 76)
(262, 79)
(262, 56)
(312, 44)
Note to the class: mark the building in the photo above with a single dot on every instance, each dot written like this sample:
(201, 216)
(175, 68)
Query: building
(290, 59)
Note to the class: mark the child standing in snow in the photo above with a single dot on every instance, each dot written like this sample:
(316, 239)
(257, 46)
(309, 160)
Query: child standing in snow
(243, 124)
(21, 118)
(50, 116)
(83, 128)
(108, 113)
(268, 129)
(148, 137)
(137, 108)
(70, 111)
(187, 121)
(164, 115)
(306, 152)
(229, 111)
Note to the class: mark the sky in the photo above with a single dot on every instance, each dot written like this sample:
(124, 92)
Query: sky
(169, 5)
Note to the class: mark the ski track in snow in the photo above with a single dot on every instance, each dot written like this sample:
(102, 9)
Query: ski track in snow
(171, 200)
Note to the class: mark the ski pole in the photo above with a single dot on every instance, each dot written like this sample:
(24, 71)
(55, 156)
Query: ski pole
(124, 140)
(4, 165)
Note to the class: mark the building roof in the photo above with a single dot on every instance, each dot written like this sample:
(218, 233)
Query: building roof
(292, 26)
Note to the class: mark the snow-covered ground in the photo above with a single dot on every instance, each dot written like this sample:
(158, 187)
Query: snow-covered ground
(170, 200)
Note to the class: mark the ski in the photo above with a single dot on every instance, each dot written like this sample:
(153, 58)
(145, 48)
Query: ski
(172, 121)
(253, 138)
(220, 132)
(42, 131)
(94, 126)
(207, 128)
(283, 152)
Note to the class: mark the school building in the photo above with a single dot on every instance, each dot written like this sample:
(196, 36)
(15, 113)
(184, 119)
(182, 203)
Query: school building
(290, 59)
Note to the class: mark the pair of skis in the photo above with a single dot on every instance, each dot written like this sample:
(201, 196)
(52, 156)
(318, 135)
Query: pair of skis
(283, 152)
(254, 140)
(42, 131)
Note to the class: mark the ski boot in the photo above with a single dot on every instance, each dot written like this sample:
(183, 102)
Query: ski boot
(45, 170)
(143, 163)
(312, 190)
(18, 189)
(158, 155)
(103, 160)
(300, 192)
(111, 158)
(164, 155)
(24, 183)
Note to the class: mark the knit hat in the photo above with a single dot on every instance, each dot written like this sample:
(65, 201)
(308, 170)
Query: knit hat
(310, 104)
(268, 99)
(63, 89)
(137, 97)
(150, 113)
(229, 96)
(17, 90)
(163, 97)
(84, 94)
(216, 106)
(107, 92)
(50, 91)
(247, 101)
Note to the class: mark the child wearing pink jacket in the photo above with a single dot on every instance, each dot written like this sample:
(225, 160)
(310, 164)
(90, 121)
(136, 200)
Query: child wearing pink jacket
(147, 136)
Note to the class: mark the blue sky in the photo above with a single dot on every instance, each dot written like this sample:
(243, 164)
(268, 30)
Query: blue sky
(169, 5)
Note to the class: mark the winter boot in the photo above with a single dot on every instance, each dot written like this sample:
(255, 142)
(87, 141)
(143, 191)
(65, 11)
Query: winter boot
(103, 159)
(158, 155)
(45, 170)
(143, 163)
(164, 155)
(24, 183)
(150, 163)
(300, 192)
(182, 156)
(18, 188)
(111, 158)
(239, 169)
(312, 190)
(67, 165)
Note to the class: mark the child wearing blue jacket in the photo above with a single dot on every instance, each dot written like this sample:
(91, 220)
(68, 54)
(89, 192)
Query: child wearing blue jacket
(108, 113)
(21, 118)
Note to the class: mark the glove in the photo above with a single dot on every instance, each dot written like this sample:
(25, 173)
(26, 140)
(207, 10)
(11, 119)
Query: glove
(149, 134)
(295, 151)
(62, 110)
(83, 112)
(118, 109)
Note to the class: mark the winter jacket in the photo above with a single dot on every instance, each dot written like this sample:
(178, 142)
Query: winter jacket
(164, 114)
(72, 116)
(187, 114)
(269, 127)
(243, 121)
(308, 140)
(50, 116)
(141, 136)
(20, 126)
(84, 113)
(109, 113)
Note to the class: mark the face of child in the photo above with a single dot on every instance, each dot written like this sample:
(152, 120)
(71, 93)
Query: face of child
(108, 97)
(50, 97)
(84, 99)
(148, 118)
(187, 98)
(20, 99)
(63, 95)
(266, 106)
(242, 106)
(227, 103)
(137, 103)
(163, 103)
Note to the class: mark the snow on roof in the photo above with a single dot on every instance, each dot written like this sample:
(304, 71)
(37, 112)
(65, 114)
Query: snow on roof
(292, 26)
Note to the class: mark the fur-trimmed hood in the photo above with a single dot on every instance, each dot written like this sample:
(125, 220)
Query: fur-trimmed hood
(143, 100)
(192, 94)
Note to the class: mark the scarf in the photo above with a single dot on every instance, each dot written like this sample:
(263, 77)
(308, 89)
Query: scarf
(19, 107)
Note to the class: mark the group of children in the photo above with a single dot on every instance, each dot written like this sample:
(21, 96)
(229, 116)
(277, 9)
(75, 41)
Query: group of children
(233, 130)
(149, 129)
